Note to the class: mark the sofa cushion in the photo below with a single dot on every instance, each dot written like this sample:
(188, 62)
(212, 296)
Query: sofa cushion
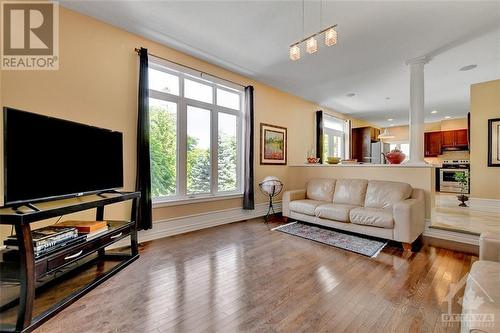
(305, 206)
(350, 192)
(320, 189)
(384, 194)
(374, 217)
(482, 285)
(334, 212)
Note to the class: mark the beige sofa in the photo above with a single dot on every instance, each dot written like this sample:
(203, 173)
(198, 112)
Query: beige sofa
(481, 302)
(390, 210)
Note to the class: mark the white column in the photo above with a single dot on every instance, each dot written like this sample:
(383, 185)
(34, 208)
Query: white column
(417, 106)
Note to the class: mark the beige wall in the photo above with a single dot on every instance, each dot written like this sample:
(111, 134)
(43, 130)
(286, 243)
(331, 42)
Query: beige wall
(97, 84)
(423, 178)
(485, 104)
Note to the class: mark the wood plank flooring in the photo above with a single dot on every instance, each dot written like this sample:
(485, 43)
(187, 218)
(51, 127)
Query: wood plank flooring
(245, 277)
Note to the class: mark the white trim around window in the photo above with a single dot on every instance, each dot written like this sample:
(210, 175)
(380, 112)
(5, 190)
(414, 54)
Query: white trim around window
(183, 103)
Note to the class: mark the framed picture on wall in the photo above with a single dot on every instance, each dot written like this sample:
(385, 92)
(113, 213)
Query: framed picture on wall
(273, 144)
(494, 142)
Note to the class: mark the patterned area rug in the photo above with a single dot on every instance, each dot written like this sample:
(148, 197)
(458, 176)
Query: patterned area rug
(358, 244)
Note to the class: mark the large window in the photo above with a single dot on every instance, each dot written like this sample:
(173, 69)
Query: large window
(196, 134)
(336, 137)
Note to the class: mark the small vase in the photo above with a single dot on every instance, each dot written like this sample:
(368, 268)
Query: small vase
(462, 198)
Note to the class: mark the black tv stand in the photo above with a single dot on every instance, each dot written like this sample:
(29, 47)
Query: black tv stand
(71, 265)
(101, 194)
(29, 205)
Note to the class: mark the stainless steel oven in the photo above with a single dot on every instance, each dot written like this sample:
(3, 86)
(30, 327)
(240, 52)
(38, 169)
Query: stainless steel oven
(447, 182)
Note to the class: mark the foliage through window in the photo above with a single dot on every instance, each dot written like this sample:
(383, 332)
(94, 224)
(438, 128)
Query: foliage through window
(196, 134)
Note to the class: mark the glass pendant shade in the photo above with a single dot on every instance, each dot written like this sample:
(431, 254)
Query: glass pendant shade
(294, 52)
(386, 135)
(330, 37)
(311, 45)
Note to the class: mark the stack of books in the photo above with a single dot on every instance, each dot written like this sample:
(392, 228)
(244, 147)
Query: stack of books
(47, 239)
(90, 229)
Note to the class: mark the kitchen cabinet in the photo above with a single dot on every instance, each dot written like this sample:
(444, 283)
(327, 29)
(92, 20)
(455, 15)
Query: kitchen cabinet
(454, 140)
(436, 142)
(432, 144)
(461, 138)
(447, 139)
(362, 139)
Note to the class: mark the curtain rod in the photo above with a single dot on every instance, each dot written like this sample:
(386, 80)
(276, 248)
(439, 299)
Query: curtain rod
(195, 69)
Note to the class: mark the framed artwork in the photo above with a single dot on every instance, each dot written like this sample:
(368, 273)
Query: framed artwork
(494, 142)
(273, 144)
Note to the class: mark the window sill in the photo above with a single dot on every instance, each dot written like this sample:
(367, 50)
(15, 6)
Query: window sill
(162, 202)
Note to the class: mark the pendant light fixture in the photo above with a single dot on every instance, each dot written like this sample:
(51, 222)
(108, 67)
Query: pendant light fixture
(294, 52)
(311, 43)
(385, 134)
(330, 37)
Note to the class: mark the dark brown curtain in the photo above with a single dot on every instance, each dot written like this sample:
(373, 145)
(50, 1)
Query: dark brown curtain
(248, 193)
(319, 135)
(143, 173)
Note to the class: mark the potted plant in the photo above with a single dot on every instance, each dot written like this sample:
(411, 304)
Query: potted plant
(463, 179)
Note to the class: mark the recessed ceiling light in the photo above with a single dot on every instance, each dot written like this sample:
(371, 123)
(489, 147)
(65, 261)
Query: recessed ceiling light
(390, 119)
(350, 94)
(434, 111)
(447, 117)
(468, 68)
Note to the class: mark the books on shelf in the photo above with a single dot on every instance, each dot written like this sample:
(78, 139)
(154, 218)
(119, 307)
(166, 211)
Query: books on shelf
(90, 228)
(84, 226)
(94, 234)
(46, 239)
(49, 239)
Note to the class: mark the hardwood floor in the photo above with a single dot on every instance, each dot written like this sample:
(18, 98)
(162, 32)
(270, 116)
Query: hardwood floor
(244, 277)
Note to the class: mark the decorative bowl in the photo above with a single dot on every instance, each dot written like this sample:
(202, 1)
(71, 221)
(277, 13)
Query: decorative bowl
(333, 160)
(312, 160)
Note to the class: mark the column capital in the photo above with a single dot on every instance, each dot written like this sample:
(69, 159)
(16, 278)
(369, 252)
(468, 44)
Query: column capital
(418, 60)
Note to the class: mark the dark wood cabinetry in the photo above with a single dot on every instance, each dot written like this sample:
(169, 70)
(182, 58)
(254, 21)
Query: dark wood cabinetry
(432, 144)
(461, 138)
(455, 140)
(436, 142)
(447, 139)
(362, 139)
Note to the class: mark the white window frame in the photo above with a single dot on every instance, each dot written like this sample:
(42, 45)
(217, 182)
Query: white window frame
(182, 104)
(345, 135)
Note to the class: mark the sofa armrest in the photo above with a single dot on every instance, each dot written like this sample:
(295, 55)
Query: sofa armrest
(489, 246)
(409, 217)
(289, 196)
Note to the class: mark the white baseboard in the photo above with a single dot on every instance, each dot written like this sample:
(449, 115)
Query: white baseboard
(180, 225)
(455, 236)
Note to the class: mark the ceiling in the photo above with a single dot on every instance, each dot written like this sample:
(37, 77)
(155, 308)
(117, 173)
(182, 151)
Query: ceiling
(375, 40)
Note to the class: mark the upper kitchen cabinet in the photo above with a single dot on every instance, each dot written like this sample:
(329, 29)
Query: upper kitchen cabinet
(432, 144)
(454, 140)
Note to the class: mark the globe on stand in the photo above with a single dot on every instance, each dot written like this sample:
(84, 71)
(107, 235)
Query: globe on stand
(271, 187)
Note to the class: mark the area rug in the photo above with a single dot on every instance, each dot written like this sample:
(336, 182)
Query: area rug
(366, 246)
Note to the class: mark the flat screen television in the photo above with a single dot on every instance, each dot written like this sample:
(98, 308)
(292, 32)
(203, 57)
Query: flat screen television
(47, 158)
